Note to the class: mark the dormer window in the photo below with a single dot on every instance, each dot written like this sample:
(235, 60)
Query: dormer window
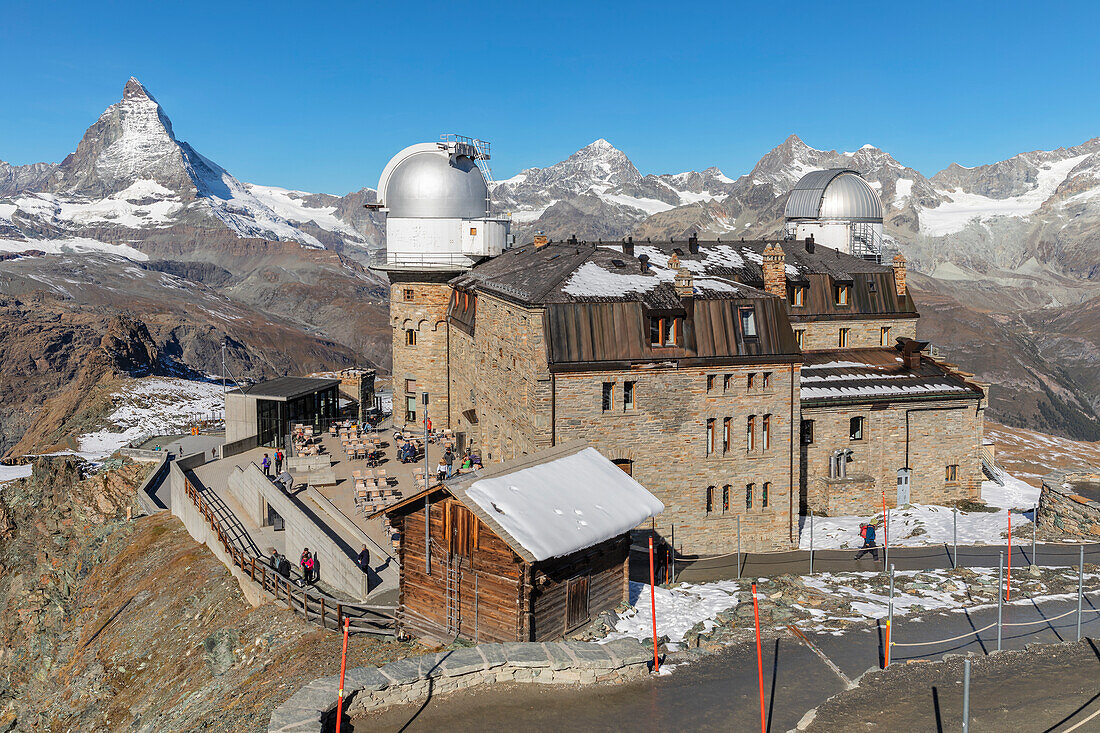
(748, 322)
(798, 296)
(843, 294)
(665, 331)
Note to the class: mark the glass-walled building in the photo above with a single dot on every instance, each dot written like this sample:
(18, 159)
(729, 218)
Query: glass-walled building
(268, 410)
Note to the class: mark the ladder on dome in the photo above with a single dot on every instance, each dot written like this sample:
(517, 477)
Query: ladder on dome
(477, 151)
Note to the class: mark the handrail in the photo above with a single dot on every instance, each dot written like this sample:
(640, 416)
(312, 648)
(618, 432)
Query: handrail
(311, 603)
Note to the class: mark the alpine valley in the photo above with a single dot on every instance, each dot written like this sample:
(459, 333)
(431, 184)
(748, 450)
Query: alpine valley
(144, 254)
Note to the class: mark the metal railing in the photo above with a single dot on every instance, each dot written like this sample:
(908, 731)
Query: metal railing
(307, 600)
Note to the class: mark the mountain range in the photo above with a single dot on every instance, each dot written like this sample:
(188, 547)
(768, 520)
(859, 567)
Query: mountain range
(1008, 253)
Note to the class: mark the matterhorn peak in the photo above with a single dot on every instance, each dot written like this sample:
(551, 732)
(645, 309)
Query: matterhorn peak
(134, 89)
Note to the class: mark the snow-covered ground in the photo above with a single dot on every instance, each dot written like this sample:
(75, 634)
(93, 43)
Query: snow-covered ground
(152, 405)
(11, 473)
(922, 524)
(678, 609)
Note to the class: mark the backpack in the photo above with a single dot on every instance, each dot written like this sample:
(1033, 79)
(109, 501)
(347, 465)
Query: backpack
(863, 531)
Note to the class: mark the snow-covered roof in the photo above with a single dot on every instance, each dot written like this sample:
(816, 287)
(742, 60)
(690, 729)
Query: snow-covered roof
(877, 374)
(556, 502)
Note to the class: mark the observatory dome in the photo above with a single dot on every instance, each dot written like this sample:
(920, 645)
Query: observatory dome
(433, 184)
(837, 194)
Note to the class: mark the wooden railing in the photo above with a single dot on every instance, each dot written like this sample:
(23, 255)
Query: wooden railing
(304, 599)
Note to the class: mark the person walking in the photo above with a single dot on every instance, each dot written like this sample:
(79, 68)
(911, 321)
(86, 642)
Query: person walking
(306, 561)
(275, 560)
(278, 462)
(441, 471)
(266, 465)
(284, 566)
(364, 559)
(867, 532)
(428, 427)
(449, 459)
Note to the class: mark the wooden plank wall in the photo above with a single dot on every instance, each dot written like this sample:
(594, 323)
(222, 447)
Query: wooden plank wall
(489, 584)
(606, 567)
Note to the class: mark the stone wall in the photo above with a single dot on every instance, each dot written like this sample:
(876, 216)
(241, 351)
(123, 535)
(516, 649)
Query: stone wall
(412, 680)
(1063, 509)
(825, 335)
(941, 433)
(855, 494)
(426, 362)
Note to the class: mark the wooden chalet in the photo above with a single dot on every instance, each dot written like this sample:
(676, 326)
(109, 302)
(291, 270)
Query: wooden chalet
(526, 550)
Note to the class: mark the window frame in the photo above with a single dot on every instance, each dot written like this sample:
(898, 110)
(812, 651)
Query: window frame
(842, 295)
(857, 426)
(410, 294)
(842, 338)
(607, 397)
(766, 380)
(951, 473)
(766, 432)
(884, 336)
(800, 337)
(711, 436)
(727, 434)
(709, 500)
(410, 337)
(668, 331)
(750, 433)
(726, 498)
(798, 296)
(806, 429)
(747, 317)
(629, 388)
(764, 490)
(710, 383)
(750, 489)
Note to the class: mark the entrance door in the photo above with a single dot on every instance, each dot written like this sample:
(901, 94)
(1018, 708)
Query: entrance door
(903, 486)
(576, 603)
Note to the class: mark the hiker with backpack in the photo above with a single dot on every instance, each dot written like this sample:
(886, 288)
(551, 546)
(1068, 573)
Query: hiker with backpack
(867, 532)
(278, 461)
(284, 566)
(265, 464)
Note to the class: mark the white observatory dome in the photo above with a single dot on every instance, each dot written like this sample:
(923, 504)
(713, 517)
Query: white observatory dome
(834, 194)
(424, 182)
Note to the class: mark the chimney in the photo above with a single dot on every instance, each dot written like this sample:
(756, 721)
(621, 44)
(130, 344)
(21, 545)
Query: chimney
(628, 247)
(899, 274)
(684, 283)
(693, 244)
(540, 240)
(643, 261)
(810, 243)
(910, 352)
(775, 270)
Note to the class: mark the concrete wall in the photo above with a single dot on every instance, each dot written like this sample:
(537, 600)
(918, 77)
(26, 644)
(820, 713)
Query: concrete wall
(240, 417)
(240, 446)
(336, 559)
(203, 533)
(149, 498)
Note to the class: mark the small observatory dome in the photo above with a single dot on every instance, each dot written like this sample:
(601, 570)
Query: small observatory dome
(425, 182)
(834, 194)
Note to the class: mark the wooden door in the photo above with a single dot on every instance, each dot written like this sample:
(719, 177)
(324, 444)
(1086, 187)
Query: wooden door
(576, 603)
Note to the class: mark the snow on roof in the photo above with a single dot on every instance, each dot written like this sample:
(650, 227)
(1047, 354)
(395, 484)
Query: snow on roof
(591, 280)
(560, 506)
(813, 393)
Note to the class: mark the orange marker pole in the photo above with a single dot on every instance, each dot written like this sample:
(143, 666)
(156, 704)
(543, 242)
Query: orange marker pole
(653, 608)
(343, 668)
(1008, 587)
(885, 534)
(759, 659)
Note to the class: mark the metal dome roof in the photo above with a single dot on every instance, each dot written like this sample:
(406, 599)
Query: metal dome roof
(836, 193)
(423, 181)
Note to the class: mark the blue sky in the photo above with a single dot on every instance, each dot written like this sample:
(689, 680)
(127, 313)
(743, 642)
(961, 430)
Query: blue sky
(318, 96)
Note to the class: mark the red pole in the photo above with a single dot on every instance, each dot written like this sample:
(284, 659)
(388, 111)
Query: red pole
(1008, 588)
(885, 533)
(343, 667)
(759, 658)
(653, 607)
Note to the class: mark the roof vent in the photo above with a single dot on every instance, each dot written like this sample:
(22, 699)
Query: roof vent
(628, 247)
(810, 243)
(618, 263)
(693, 244)
(643, 260)
(572, 239)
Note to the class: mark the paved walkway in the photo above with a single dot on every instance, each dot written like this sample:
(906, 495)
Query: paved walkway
(720, 692)
(930, 557)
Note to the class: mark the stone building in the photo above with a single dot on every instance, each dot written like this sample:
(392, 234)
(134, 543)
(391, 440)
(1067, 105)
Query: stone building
(743, 382)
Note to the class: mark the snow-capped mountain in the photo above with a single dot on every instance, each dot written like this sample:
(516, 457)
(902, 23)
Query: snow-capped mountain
(600, 181)
(131, 177)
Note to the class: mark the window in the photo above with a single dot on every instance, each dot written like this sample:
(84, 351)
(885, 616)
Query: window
(952, 472)
(766, 380)
(625, 464)
(628, 395)
(843, 294)
(798, 296)
(410, 408)
(710, 436)
(727, 434)
(749, 489)
(750, 382)
(764, 495)
(842, 341)
(410, 385)
(726, 498)
(727, 383)
(884, 336)
(409, 294)
(766, 432)
(748, 322)
(410, 337)
(855, 428)
(750, 432)
(710, 382)
(473, 231)
(608, 400)
(800, 338)
(710, 499)
(665, 331)
(807, 432)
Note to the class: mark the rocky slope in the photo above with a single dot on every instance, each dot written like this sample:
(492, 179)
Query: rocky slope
(96, 611)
